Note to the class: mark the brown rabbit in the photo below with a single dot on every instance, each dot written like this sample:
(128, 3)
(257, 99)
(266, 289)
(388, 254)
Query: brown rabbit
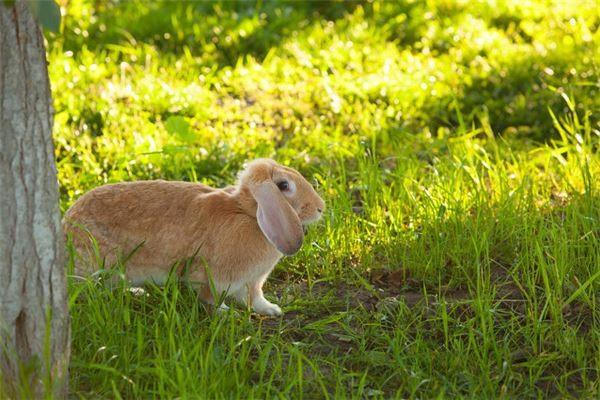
(234, 236)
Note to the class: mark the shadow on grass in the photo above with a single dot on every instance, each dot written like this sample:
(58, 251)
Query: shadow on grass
(516, 93)
(219, 32)
(522, 292)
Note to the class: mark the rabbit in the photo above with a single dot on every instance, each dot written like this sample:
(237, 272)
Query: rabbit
(233, 237)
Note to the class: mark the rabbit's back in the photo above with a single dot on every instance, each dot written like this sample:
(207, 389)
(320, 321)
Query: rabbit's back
(154, 217)
(125, 202)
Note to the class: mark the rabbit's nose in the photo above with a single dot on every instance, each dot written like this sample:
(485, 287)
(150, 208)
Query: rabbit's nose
(320, 210)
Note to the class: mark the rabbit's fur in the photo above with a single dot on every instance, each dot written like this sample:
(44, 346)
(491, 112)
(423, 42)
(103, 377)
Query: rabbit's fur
(233, 236)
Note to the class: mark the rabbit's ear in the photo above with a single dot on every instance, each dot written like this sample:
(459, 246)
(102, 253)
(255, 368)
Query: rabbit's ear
(277, 219)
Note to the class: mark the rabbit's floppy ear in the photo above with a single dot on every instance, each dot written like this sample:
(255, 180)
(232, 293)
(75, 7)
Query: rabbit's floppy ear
(277, 219)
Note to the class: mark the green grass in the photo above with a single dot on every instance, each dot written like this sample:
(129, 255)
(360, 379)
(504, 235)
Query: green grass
(456, 145)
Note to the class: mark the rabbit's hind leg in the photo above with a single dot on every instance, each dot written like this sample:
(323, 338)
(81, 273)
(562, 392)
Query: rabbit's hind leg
(204, 291)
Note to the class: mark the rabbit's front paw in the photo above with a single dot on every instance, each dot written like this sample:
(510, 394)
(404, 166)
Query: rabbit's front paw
(265, 307)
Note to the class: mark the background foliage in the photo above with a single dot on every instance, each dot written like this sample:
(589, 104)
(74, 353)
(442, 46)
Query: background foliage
(456, 144)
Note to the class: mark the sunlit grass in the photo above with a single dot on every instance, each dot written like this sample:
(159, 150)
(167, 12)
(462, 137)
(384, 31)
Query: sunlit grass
(456, 145)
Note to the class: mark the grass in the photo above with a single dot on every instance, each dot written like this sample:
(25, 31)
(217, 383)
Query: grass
(456, 145)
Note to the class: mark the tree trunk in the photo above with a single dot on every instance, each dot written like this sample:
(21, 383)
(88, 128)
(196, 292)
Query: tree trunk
(34, 320)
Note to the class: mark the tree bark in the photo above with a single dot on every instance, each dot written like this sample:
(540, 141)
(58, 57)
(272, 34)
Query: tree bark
(34, 320)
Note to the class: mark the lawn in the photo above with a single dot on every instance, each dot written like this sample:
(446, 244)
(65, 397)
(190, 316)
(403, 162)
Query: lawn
(456, 144)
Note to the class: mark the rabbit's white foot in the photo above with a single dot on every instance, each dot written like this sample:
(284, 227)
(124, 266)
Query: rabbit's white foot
(265, 307)
(223, 308)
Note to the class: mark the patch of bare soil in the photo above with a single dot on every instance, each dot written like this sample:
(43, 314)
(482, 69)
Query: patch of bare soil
(384, 290)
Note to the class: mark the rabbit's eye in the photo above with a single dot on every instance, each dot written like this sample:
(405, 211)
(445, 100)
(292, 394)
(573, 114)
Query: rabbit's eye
(283, 185)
